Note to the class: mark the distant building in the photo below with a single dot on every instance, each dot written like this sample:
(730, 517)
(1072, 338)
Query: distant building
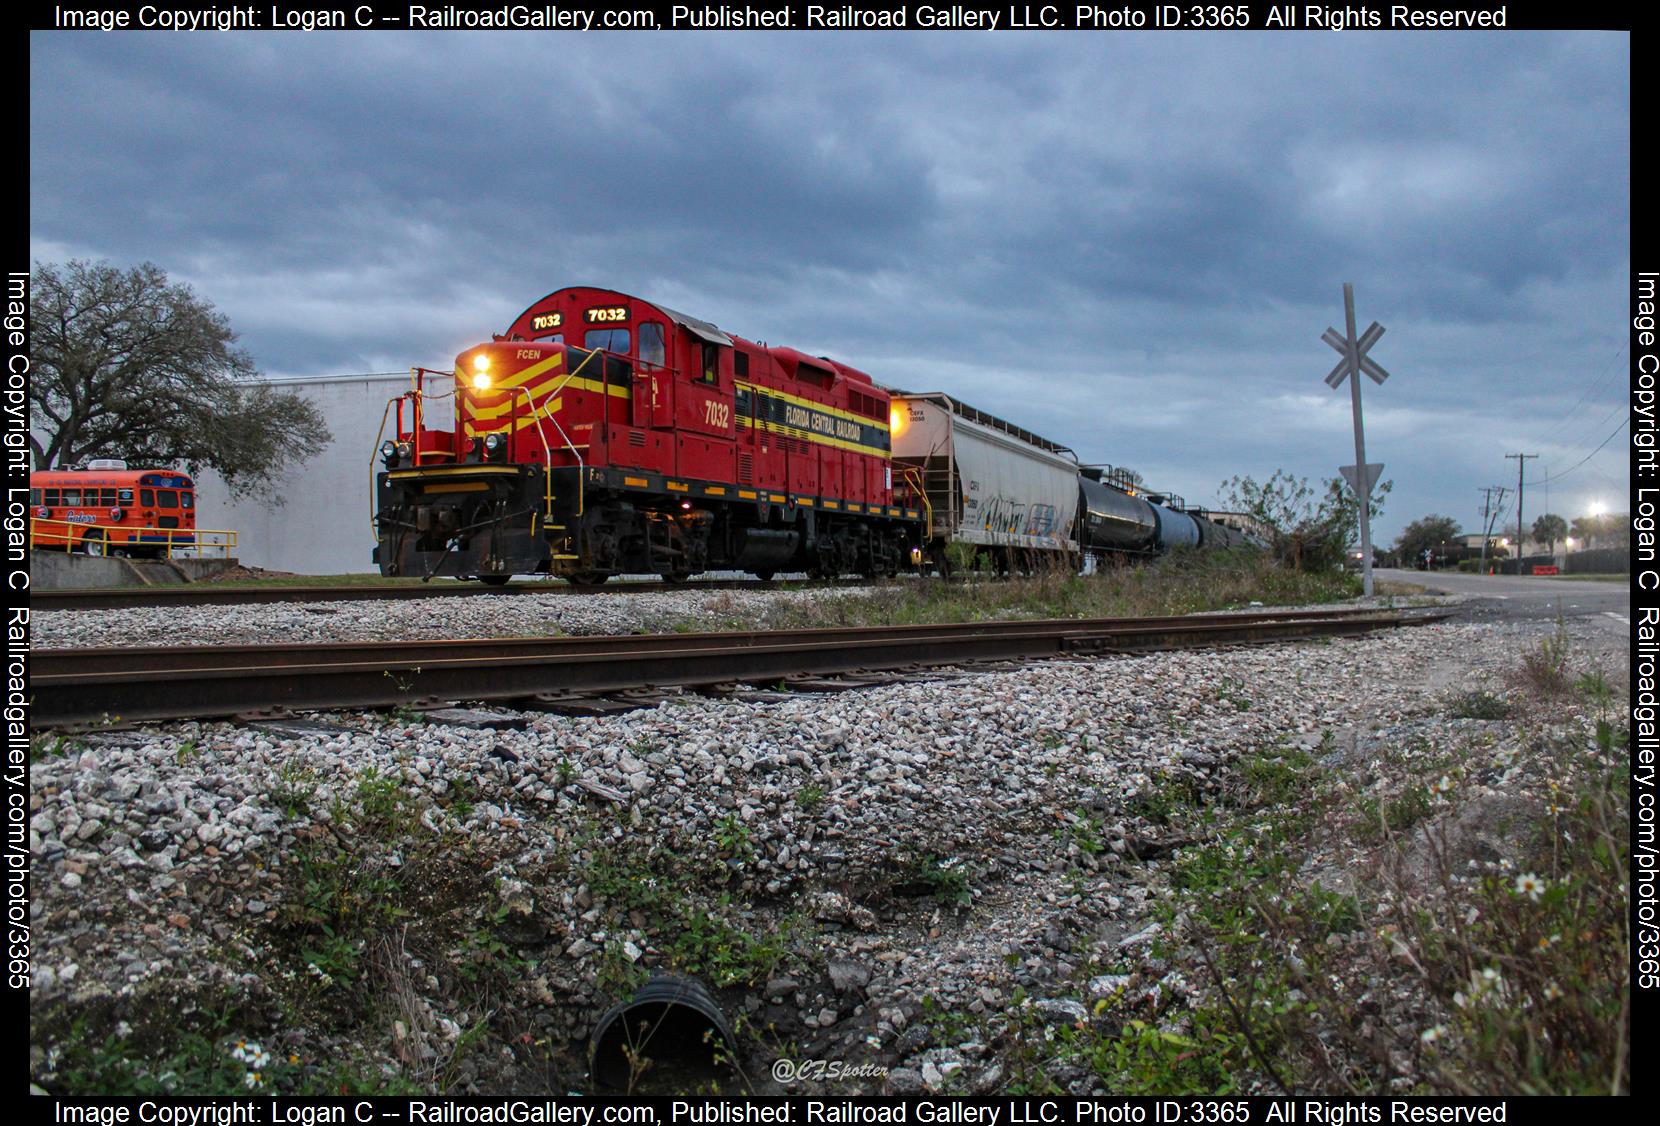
(316, 519)
(1241, 522)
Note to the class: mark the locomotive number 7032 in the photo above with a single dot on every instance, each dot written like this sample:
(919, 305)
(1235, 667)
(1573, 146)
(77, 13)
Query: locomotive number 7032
(717, 413)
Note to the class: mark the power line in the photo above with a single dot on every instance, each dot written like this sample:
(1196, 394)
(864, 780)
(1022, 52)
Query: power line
(1591, 389)
(1591, 432)
(1582, 461)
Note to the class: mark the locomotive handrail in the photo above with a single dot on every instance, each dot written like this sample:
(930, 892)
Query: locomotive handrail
(374, 452)
(66, 529)
(913, 477)
(547, 453)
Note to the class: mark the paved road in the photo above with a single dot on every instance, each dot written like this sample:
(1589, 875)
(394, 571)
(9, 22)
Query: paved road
(1526, 596)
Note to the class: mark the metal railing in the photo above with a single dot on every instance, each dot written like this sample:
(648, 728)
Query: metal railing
(913, 477)
(173, 543)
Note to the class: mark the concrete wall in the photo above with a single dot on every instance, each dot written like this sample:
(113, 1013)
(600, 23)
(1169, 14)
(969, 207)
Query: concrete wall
(61, 570)
(321, 526)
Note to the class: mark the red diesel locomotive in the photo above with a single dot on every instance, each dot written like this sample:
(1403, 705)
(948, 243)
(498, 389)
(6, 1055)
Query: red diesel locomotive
(603, 435)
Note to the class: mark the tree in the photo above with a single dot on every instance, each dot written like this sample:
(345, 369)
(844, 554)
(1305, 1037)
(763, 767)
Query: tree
(1610, 529)
(1309, 530)
(1423, 535)
(127, 365)
(1548, 529)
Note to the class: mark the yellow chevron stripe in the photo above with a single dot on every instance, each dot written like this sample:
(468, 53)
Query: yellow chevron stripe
(510, 401)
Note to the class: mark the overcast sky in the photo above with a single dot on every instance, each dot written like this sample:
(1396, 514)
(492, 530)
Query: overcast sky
(1129, 243)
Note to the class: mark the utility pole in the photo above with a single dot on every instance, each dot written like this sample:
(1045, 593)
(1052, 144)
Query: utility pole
(1489, 516)
(1360, 476)
(1521, 463)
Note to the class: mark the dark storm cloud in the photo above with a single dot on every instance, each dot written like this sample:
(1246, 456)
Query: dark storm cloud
(1041, 224)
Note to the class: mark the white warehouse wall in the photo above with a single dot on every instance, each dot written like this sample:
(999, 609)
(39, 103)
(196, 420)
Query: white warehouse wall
(321, 526)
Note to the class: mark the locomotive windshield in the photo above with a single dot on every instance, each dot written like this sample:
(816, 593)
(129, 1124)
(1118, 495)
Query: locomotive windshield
(611, 339)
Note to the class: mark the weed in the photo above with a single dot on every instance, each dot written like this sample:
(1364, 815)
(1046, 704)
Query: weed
(713, 949)
(1275, 779)
(186, 750)
(948, 879)
(1168, 798)
(618, 974)
(1229, 693)
(809, 797)
(1478, 705)
(293, 789)
(382, 802)
(484, 954)
(1594, 686)
(1392, 816)
(402, 713)
(1085, 831)
(733, 839)
(43, 747)
(1143, 1059)
(1544, 670)
(461, 796)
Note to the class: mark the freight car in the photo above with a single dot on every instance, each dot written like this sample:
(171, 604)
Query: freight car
(1002, 496)
(602, 434)
(1118, 521)
(998, 492)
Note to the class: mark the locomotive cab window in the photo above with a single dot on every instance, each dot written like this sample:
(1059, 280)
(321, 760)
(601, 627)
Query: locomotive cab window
(611, 339)
(711, 364)
(652, 348)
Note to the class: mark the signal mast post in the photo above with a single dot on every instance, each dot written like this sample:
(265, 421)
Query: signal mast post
(1360, 476)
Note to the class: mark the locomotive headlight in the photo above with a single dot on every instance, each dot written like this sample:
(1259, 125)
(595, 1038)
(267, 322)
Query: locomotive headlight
(492, 443)
(481, 381)
(388, 451)
(481, 372)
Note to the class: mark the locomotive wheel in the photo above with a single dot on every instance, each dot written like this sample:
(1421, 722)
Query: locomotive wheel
(588, 578)
(765, 576)
(677, 576)
(494, 580)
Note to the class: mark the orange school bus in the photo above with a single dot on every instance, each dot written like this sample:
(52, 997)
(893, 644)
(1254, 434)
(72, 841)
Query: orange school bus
(107, 508)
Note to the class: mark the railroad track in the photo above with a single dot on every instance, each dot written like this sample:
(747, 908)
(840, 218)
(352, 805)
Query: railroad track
(202, 594)
(80, 687)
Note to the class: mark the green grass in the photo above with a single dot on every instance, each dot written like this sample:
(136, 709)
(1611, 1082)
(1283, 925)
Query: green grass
(1182, 583)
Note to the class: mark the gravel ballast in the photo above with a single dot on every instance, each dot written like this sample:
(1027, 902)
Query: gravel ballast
(865, 861)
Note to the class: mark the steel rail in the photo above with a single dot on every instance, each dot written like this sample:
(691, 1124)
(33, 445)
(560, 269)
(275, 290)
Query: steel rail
(200, 594)
(71, 687)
